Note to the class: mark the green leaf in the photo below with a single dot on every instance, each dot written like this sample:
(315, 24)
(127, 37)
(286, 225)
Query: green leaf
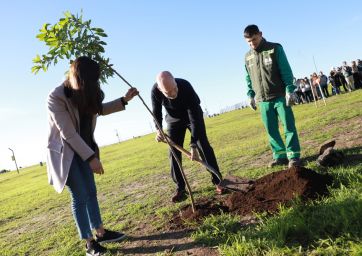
(53, 43)
(62, 22)
(53, 51)
(68, 14)
(101, 34)
(41, 36)
(99, 30)
(35, 69)
(37, 59)
(45, 27)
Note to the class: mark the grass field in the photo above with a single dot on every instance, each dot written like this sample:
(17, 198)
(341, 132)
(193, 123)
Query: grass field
(134, 193)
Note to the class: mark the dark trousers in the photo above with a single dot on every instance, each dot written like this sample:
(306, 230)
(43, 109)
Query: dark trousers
(357, 80)
(335, 90)
(177, 133)
(308, 95)
(300, 98)
(344, 87)
(325, 90)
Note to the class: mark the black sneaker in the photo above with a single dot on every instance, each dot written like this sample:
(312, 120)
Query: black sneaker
(277, 162)
(95, 249)
(110, 236)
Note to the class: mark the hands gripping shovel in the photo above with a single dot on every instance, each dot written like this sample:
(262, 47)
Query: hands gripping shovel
(233, 183)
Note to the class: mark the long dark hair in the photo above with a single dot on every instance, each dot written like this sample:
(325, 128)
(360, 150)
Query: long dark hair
(83, 80)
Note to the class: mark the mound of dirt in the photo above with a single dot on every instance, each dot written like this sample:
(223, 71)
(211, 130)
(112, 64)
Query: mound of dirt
(278, 188)
(267, 193)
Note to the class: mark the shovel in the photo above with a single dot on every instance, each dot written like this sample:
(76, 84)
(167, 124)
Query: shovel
(231, 182)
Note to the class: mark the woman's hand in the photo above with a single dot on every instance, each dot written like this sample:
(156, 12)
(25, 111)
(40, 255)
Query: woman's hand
(130, 94)
(96, 166)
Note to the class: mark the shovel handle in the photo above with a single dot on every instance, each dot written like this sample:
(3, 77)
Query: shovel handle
(188, 154)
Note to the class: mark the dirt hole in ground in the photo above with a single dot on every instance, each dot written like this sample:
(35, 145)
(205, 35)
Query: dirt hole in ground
(267, 193)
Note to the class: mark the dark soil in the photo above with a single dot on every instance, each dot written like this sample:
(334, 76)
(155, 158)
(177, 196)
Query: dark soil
(266, 195)
(204, 207)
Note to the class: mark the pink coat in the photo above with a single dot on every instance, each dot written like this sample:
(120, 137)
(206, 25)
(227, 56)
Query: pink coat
(64, 138)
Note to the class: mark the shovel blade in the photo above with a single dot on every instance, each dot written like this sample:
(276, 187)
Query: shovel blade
(236, 183)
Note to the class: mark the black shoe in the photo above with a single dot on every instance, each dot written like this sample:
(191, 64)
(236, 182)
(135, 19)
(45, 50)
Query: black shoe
(295, 162)
(95, 249)
(277, 162)
(110, 236)
(179, 196)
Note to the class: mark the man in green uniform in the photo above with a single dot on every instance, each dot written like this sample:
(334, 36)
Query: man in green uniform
(270, 85)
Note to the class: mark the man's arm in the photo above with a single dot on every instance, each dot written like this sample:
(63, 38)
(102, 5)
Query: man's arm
(195, 115)
(156, 107)
(285, 70)
(251, 92)
(196, 119)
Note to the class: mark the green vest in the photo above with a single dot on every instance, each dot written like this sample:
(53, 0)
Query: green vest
(268, 72)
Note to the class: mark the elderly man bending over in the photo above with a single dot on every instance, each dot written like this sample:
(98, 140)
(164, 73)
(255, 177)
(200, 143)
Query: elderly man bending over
(183, 109)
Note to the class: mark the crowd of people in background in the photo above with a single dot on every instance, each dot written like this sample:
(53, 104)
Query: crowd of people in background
(317, 86)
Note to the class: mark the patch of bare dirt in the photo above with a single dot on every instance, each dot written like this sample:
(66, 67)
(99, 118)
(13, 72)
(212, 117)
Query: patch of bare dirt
(204, 207)
(348, 136)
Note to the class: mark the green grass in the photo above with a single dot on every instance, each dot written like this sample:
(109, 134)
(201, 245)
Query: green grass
(136, 188)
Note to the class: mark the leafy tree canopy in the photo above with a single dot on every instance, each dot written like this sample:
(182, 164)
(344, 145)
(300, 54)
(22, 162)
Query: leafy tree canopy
(70, 38)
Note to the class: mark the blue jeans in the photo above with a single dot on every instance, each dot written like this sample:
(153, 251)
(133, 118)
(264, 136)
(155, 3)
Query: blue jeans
(82, 188)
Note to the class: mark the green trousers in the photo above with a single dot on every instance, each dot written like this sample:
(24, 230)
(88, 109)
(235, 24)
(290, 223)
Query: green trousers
(270, 111)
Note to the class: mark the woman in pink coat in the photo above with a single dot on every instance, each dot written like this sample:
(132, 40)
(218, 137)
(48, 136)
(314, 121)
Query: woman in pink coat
(72, 153)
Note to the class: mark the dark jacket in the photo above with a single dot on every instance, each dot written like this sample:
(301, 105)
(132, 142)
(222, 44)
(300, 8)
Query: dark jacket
(184, 110)
(268, 74)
